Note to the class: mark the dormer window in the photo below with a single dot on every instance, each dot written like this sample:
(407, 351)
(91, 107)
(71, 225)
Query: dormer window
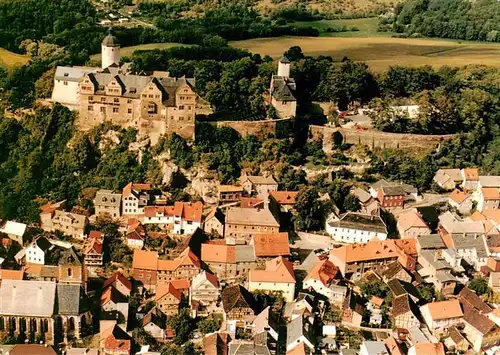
(66, 74)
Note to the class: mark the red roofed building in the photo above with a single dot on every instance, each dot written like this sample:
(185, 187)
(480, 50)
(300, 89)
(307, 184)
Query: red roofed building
(285, 200)
(321, 279)
(252, 202)
(120, 282)
(181, 218)
(114, 341)
(149, 270)
(278, 277)
(168, 298)
(271, 245)
(92, 252)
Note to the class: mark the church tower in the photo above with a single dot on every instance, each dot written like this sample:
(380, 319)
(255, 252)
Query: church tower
(110, 51)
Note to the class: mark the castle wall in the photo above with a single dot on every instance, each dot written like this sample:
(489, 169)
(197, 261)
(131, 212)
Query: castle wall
(377, 139)
(261, 129)
(66, 93)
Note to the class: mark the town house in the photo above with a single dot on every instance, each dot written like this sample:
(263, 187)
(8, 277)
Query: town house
(214, 222)
(322, 280)
(229, 193)
(229, 261)
(354, 227)
(278, 277)
(106, 202)
(204, 289)
(244, 223)
(68, 223)
(410, 224)
(181, 218)
(460, 200)
(439, 316)
(239, 306)
(448, 179)
(404, 312)
(259, 185)
(134, 198)
(168, 298)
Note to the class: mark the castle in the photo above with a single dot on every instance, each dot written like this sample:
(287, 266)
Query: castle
(283, 91)
(154, 105)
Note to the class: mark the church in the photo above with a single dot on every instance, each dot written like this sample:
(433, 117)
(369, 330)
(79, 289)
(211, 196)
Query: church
(153, 104)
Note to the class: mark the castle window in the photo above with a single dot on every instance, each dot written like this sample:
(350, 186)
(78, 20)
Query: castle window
(70, 272)
(91, 98)
(102, 109)
(150, 96)
(157, 96)
(181, 107)
(65, 83)
(152, 108)
(129, 101)
(116, 100)
(103, 99)
(181, 118)
(189, 108)
(129, 110)
(115, 109)
(90, 108)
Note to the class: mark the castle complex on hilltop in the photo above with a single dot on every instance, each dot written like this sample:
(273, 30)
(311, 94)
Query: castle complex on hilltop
(153, 104)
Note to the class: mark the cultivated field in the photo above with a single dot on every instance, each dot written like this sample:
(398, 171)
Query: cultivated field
(10, 60)
(367, 27)
(381, 52)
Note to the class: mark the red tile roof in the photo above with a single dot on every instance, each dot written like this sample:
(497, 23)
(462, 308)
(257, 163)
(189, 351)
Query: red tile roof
(164, 289)
(272, 244)
(278, 270)
(118, 276)
(251, 202)
(95, 235)
(218, 253)
(143, 259)
(284, 197)
(324, 271)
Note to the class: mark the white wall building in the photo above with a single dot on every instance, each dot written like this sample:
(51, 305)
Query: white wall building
(181, 218)
(356, 228)
(37, 249)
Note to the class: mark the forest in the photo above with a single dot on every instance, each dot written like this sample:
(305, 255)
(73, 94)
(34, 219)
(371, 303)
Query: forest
(457, 19)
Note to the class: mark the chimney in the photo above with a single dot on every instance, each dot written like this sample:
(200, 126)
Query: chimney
(436, 256)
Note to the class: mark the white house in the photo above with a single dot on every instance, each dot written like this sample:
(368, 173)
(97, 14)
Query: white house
(278, 277)
(204, 288)
(14, 230)
(320, 279)
(356, 228)
(181, 218)
(37, 249)
(134, 198)
(439, 316)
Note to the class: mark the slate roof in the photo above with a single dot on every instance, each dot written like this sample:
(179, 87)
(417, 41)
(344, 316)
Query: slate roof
(295, 329)
(431, 241)
(71, 300)
(244, 253)
(283, 88)
(358, 221)
(110, 41)
(132, 85)
(107, 198)
(43, 243)
(479, 321)
(27, 298)
(73, 73)
(470, 300)
(70, 257)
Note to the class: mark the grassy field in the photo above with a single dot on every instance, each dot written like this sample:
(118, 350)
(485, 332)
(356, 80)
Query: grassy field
(382, 52)
(10, 60)
(367, 27)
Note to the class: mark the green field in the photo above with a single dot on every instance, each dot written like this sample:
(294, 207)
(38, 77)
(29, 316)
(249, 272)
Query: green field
(367, 27)
(128, 51)
(382, 52)
(10, 60)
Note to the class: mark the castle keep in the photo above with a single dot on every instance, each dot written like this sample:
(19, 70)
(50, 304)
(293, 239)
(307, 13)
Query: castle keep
(155, 104)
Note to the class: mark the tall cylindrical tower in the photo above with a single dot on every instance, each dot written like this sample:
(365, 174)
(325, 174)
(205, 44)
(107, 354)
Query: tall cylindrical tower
(284, 67)
(110, 51)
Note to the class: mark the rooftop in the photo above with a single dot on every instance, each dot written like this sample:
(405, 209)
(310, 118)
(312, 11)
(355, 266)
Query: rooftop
(411, 219)
(251, 216)
(278, 270)
(444, 309)
(272, 244)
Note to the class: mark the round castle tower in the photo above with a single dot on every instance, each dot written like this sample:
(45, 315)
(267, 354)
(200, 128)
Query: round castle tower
(110, 51)
(284, 67)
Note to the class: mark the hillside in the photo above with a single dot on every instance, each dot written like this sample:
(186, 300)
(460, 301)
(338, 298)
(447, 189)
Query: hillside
(458, 19)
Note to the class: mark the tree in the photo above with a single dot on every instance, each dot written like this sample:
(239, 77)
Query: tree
(182, 324)
(294, 53)
(311, 211)
(427, 292)
(479, 285)
(209, 325)
(376, 288)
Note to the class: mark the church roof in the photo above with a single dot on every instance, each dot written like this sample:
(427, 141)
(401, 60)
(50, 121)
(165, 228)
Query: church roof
(27, 298)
